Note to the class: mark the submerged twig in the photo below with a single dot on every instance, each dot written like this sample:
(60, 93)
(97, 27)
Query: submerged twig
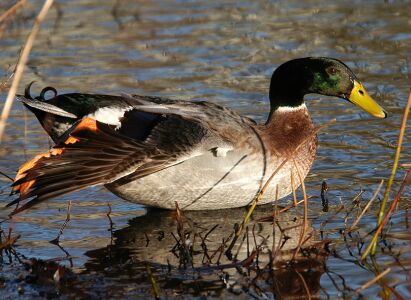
(8, 177)
(68, 256)
(21, 65)
(111, 224)
(56, 241)
(324, 198)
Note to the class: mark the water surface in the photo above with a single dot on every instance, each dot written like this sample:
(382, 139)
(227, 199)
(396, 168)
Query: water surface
(222, 52)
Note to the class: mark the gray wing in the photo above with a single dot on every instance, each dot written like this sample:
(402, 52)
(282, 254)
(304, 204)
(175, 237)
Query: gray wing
(150, 138)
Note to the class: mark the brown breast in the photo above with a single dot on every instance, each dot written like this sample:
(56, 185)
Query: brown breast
(286, 130)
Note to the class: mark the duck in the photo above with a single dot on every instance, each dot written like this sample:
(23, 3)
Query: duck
(160, 152)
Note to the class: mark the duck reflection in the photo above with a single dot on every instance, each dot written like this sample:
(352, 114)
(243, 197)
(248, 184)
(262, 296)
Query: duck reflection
(191, 245)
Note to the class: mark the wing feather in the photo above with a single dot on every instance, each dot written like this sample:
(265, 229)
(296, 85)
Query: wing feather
(95, 153)
(155, 134)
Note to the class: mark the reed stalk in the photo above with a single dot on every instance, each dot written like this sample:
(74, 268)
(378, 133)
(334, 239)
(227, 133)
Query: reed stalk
(372, 281)
(366, 207)
(12, 10)
(21, 65)
(305, 221)
(373, 245)
(387, 215)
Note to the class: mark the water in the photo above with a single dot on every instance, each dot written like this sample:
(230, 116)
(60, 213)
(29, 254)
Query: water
(224, 53)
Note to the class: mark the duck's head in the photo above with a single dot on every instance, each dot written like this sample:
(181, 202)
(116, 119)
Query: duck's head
(320, 75)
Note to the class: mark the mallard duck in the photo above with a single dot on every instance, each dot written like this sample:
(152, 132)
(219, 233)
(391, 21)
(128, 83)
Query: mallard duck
(156, 151)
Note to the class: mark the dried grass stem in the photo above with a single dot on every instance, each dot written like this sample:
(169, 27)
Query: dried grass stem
(12, 10)
(21, 65)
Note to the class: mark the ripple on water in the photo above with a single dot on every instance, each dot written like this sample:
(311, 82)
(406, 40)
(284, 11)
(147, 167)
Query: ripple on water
(225, 53)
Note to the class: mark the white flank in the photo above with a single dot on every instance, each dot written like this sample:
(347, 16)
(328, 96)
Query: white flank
(282, 109)
(109, 115)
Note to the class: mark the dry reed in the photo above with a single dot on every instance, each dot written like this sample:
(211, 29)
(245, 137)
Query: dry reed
(9, 240)
(373, 245)
(366, 207)
(305, 221)
(21, 65)
(293, 189)
(387, 215)
(372, 281)
(12, 10)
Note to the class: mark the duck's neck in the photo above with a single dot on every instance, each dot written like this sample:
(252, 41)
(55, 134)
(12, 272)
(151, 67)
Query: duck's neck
(285, 97)
(287, 127)
(283, 113)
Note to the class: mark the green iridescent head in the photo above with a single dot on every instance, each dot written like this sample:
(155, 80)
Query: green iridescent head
(320, 75)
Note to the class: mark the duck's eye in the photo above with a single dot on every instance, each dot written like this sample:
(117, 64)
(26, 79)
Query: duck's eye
(332, 71)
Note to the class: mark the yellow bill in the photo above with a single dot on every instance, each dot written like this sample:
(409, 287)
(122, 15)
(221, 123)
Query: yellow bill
(360, 97)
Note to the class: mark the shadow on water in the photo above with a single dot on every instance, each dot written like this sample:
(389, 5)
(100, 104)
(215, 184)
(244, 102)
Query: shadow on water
(183, 254)
(192, 261)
